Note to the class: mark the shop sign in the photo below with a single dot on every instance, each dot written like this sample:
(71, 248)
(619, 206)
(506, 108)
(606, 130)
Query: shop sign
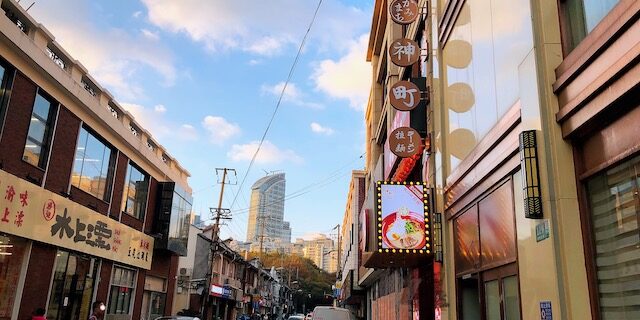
(403, 11)
(29, 211)
(405, 142)
(216, 290)
(404, 52)
(404, 96)
(403, 217)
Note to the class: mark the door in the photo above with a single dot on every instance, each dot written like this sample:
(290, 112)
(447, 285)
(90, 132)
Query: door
(501, 294)
(72, 287)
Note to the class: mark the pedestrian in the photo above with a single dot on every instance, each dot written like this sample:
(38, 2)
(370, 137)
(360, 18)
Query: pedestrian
(39, 314)
(97, 310)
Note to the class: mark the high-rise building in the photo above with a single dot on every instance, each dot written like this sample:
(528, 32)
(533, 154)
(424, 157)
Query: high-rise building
(266, 213)
(321, 250)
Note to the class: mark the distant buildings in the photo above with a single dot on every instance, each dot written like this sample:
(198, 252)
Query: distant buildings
(320, 250)
(267, 228)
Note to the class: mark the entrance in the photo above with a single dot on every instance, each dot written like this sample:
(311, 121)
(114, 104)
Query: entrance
(497, 298)
(73, 286)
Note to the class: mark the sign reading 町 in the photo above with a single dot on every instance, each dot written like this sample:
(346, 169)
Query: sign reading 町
(29, 211)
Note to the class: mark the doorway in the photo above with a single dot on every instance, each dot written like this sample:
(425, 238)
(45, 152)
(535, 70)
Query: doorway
(501, 293)
(72, 287)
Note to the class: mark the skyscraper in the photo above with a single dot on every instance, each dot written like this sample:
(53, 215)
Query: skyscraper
(266, 213)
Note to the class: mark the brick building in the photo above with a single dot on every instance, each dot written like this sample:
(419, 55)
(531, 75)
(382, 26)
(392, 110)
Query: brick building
(88, 197)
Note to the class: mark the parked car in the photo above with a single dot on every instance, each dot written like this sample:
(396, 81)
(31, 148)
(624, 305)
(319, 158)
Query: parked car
(296, 317)
(332, 313)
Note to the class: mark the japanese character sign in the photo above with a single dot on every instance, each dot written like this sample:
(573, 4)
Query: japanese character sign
(404, 142)
(29, 211)
(403, 11)
(404, 52)
(404, 95)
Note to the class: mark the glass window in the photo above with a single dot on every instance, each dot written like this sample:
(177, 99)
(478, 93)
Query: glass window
(615, 210)
(583, 16)
(134, 200)
(72, 286)
(12, 253)
(122, 287)
(37, 145)
(6, 77)
(93, 165)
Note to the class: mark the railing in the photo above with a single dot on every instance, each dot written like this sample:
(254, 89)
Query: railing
(89, 88)
(56, 58)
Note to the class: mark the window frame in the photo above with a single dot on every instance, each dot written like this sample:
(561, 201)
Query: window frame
(572, 38)
(6, 86)
(125, 192)
(110, 166)
(131, 290)
(49, 127)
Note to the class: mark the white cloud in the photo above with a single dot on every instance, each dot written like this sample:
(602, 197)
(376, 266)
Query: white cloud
(220, 130)
(150, 35)
(157, 124)
(269, 153)
(160, 108)
(317, 128)
(259, 27)
(254, 62)
(113, 56)
(349, 77)
(136, 14)
(291, 94)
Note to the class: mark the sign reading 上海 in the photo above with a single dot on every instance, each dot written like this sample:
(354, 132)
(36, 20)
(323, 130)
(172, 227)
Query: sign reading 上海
(404, 52)
(403, 217)
(403, 11)
(405, 142)
(29, 211)
(405, 96)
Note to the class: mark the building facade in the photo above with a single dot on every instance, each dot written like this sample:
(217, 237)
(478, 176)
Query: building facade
(93, 208)
(532, 141)
(266, 227)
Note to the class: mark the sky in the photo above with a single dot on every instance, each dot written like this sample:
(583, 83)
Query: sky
(204, 78)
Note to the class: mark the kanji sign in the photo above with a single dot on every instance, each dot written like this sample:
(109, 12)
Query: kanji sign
(403, 11)
(405, 142)
(404, 95)
(404, 52)
(29, 211)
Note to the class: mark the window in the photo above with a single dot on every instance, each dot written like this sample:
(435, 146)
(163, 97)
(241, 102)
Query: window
(584, 15)
(38, 138)
(615, 212)
(93, 165)
(134, 199)
(6, 78)
(122, 287)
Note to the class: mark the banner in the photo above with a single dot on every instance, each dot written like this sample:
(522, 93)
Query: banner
(29, 211)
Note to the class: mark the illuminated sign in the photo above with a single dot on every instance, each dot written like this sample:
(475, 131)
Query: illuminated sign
(403, 219)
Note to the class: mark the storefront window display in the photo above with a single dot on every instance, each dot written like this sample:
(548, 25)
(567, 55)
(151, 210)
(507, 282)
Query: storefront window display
(13, 252)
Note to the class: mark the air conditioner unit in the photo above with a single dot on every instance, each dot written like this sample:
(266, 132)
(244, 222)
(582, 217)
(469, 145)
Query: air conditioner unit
(185, 272)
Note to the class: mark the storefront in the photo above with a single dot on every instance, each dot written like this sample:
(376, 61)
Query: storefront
(54, 251)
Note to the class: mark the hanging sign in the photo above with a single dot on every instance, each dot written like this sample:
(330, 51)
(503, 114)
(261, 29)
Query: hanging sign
(29, 211)
(404, 95)
(404, 52)
(403, 217)
(405, 142)
(403, 11)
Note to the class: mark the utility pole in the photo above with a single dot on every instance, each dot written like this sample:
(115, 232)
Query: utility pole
(220, 213)
(261, 236)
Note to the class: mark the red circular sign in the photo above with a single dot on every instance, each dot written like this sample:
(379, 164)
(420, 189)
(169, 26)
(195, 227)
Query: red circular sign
(405, 142)
(49, 210)
(404, 52)
(404, 95)
(403, 11)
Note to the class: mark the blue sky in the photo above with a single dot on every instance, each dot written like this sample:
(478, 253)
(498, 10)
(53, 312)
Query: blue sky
(204, 78)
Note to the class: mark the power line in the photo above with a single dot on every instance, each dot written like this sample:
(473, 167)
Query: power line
(293, 67)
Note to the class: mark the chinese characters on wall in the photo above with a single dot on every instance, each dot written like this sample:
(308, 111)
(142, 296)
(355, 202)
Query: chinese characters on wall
(31, 212)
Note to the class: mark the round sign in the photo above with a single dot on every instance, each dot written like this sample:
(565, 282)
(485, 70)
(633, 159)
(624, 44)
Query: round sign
(404, 95)
(404, 142)
(404, 52)
(403, 11)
